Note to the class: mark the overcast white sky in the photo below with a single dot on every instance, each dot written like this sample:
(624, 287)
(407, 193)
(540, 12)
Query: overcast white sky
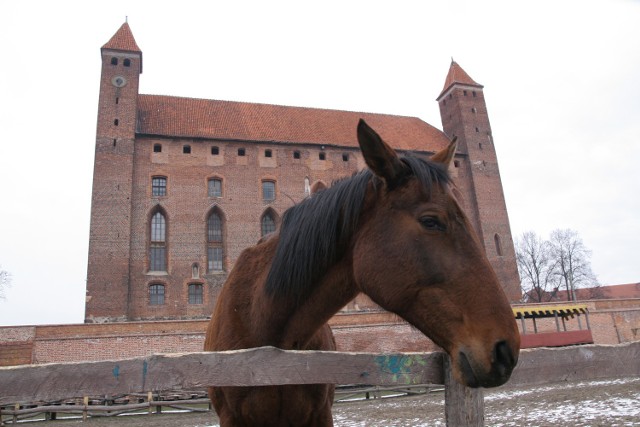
(562, 84)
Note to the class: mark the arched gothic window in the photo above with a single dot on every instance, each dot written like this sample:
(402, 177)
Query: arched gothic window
(158, 243)
(215, 240)
(268, 223)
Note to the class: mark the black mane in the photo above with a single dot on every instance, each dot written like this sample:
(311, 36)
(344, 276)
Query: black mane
(314, 233)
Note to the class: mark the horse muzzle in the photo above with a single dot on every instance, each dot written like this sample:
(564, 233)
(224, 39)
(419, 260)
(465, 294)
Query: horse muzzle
(474, 374)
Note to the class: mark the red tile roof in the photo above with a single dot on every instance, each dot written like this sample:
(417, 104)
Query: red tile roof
(123, 40)
(227, 120)
(457, 75)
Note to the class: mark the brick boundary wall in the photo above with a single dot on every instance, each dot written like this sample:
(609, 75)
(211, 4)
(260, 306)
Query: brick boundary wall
(612, 322)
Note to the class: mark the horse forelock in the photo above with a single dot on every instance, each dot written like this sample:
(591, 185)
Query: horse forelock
(314, 234)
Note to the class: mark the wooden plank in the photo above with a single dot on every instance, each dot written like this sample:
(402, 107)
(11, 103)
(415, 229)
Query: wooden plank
(464, 406)
(580, 363)
(261, 366)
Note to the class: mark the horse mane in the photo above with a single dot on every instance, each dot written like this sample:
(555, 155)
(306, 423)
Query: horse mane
(314, 234)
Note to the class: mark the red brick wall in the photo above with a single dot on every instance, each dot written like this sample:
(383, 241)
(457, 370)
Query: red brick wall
(376, 331)
(187, 207)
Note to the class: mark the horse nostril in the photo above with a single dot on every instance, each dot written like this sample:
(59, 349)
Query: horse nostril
(504, 356)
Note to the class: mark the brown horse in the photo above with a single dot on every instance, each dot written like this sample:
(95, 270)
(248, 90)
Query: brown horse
(394, 232)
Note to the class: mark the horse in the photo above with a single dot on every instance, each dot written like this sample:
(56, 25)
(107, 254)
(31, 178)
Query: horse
(395, 232)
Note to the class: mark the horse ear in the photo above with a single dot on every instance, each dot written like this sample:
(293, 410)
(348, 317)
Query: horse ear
(381, 159)
(445, 156)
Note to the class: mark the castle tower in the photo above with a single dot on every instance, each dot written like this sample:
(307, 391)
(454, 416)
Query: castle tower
(109, 241)
(464, 114)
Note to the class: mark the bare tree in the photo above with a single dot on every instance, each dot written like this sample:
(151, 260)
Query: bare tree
(5, 282)
(573, 264)
(537, 267)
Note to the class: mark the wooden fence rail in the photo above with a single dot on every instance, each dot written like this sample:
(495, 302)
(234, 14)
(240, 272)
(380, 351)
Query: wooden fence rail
(272, 366)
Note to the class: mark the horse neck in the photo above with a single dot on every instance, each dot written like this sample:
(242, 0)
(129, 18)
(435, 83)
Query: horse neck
(290, 325)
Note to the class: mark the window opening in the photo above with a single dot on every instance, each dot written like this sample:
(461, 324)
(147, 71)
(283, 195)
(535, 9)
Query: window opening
(214, 243)
(195, 293)
(186, 149)
(322, 156)
(215, 187)
(307, 186)
(156, 294)
(498, 243)
(215, 151)
(157, 148)
(114, 61)
(345, 157)
(158, 186)
(268, 224)
(268, 153)
(116, 122)
(241, 152)
(268, 190)
(126, 62)
(158, 247)
(296, 154)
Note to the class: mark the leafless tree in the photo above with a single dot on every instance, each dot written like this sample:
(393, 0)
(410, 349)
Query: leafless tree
(573, 264)
(5, 282)
(537, 267)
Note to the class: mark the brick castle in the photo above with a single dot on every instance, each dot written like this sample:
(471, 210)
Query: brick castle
(181, 186)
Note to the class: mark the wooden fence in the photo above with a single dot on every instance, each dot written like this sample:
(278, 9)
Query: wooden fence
(272, 366)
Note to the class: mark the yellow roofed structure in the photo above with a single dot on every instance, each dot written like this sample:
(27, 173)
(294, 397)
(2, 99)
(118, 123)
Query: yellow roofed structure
(540, 311)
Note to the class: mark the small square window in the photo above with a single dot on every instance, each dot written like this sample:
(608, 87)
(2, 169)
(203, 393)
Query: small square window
(268, 153)
(345, 157)
(126, 62)
(186, 149)
(157, 148)
(215, 150)
(241, 152)
(296, 154)
(322, 156)
(464, 92)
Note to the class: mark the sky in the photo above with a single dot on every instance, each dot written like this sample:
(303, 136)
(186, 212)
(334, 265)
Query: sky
(561, 81)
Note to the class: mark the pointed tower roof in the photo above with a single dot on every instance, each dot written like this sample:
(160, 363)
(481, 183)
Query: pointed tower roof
(123, 40)
(457, 75)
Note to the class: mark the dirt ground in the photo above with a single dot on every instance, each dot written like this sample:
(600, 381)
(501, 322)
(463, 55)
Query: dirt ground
(580, 404)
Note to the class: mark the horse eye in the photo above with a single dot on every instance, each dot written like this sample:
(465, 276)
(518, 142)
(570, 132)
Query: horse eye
(431, 223)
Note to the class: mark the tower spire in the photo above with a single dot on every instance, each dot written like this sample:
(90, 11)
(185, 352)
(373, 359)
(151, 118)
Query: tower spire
(457, 75)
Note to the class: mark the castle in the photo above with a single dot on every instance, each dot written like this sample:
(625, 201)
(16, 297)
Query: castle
(181, 186)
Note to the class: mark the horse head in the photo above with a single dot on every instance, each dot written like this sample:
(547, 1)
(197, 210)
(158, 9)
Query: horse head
(417, 255)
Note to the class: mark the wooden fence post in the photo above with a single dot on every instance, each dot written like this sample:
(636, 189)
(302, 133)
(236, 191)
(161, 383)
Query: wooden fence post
(85, 409)
(463, 406)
